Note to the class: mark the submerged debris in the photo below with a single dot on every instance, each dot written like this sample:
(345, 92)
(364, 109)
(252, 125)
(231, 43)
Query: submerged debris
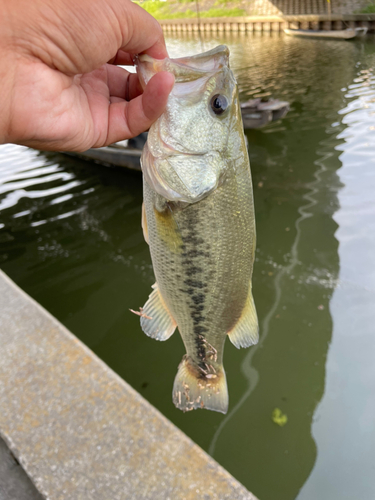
(279, 417)
(140, 313)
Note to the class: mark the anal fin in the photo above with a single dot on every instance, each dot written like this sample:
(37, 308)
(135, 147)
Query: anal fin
(156, 320)
(246, 331)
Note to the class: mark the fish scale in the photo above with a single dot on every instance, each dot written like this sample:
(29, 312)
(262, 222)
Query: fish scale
(201, 241)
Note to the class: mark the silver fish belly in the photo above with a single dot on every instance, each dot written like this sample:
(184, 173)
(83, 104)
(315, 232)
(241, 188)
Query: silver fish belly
(198, 218)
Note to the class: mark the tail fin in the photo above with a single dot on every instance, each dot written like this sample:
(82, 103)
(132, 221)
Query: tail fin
(193, 389)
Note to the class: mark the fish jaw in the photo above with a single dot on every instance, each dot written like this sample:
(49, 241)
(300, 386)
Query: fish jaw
(182, 177)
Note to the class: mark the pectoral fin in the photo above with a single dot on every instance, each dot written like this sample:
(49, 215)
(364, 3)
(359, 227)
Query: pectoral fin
(246, 331)
(144, 224)
(156, 320)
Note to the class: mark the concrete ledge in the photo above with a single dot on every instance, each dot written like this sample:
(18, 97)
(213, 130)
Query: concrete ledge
(79, 431)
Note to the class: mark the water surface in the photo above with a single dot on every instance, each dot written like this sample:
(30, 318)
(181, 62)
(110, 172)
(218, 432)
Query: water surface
(70, 236)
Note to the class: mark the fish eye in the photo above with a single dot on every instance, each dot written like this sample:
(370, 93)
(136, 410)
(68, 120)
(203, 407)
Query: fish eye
(219, 104)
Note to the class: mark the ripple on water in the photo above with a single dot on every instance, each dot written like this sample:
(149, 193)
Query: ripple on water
(25, 174)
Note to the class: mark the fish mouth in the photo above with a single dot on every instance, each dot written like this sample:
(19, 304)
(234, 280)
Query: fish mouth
(184, 69)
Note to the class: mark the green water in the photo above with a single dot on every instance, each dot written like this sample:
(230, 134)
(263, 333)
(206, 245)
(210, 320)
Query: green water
(70, 236)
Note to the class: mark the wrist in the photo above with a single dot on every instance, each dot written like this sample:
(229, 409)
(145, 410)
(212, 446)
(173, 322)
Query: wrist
(8, 60)
(7, 81)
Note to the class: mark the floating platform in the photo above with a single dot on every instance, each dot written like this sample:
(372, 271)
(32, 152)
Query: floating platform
(257, 113)
(114, 156)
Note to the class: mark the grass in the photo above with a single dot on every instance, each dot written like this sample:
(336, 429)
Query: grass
(221, 12)
(370, 9)
(169, 10)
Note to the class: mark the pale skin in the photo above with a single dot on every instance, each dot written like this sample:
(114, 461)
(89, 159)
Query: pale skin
(60, 86)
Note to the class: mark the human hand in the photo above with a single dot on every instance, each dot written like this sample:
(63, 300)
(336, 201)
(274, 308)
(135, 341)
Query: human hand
(60, 88)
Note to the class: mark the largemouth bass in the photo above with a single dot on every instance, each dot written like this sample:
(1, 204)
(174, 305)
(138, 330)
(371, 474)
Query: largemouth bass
(198, 218)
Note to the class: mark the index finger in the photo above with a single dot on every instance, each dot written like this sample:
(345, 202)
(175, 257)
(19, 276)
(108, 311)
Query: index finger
(143, 33)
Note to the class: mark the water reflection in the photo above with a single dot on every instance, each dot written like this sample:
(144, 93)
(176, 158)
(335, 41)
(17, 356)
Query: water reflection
(343, 424)
(70, 236)
(301, 291)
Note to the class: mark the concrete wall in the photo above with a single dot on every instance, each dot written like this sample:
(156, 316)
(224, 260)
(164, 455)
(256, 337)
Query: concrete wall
(269, 23)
